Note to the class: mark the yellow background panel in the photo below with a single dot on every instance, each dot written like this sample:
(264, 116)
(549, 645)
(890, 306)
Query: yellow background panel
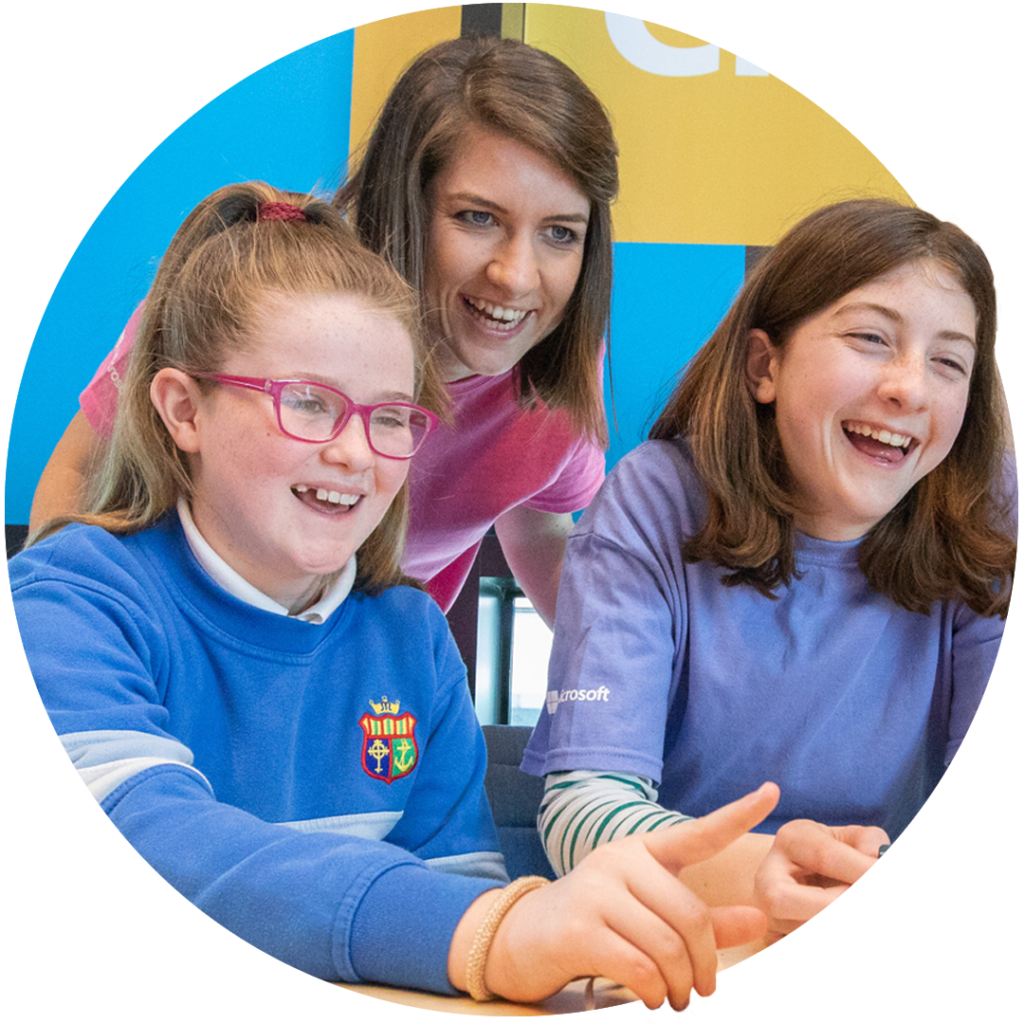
(718, 158)
(382, 49)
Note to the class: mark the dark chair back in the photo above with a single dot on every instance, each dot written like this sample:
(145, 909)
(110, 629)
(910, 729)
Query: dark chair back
(16, 534)
(515, 798)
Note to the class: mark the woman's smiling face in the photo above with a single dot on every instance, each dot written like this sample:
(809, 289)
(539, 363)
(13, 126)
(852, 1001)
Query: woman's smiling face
(504, 253)
(869, 395)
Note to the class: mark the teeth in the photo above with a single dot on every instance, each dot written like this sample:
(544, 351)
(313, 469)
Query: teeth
(507, 316)
(334, 497)
(885, 436)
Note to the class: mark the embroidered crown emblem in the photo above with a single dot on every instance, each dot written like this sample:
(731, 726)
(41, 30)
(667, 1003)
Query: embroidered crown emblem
(389, 748)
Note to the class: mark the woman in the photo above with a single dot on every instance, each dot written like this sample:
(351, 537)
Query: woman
(487, 182)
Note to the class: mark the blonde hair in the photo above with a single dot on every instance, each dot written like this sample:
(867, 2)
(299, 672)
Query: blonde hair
(222, 265)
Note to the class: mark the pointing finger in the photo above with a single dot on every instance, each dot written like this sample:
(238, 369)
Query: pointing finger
(702, 838)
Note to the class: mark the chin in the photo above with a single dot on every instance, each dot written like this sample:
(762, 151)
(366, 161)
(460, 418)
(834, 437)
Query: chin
(327, 567)
(487, 361)
(494, 365)
(311, 567)
(863, 523)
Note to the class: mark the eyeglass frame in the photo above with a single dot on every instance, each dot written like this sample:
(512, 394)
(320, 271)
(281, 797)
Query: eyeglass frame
(271, 387)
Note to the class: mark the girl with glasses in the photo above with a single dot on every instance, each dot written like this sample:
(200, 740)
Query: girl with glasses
(226, 645)
(487, 183)
(803, 575)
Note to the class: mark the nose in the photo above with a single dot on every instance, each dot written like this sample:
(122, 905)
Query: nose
(514, 267)
(351, 447)
(904, 382)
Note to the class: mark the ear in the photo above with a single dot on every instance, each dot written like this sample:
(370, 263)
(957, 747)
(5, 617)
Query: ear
(762, 362)
(175, 395)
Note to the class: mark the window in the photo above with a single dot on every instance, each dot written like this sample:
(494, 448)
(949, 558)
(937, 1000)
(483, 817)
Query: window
(503, 641)
(531, 648)
(512, 649)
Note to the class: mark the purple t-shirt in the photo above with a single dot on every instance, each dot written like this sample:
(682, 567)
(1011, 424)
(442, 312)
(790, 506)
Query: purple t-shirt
(497, 457)
(850, 703)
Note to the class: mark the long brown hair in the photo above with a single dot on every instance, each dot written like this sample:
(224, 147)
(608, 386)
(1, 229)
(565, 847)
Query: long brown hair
(220, 268)
(526, 94)
(949, 537)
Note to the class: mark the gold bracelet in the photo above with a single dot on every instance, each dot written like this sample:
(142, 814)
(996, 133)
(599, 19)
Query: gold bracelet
(489, 926)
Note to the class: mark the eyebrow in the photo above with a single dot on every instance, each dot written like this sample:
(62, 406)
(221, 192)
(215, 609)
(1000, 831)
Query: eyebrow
(895, 317)
(474, 200)
(316, 378)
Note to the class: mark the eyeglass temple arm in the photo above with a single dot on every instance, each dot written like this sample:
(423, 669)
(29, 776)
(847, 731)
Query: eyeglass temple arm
(252, 383)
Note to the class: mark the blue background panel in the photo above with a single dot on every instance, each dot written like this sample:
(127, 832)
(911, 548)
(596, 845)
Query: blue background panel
(287, 124)
(667, 300)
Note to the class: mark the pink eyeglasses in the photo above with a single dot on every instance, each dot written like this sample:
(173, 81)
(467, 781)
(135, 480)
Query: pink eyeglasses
(307, 411)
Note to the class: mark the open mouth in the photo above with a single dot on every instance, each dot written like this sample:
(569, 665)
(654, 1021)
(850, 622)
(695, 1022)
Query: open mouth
(497, 318)
(879, 443)
(322, 500)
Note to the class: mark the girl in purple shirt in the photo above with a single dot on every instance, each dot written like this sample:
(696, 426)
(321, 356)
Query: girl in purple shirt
(803, 575)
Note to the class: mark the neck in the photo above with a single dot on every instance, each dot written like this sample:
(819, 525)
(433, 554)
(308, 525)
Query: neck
(314, 593)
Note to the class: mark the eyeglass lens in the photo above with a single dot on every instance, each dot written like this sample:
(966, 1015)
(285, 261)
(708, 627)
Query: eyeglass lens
(312, 413)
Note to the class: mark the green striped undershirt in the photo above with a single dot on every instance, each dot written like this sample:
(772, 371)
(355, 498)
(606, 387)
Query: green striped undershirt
(583, 809)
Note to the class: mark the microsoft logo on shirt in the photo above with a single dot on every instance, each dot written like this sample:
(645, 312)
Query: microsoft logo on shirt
(555, 697)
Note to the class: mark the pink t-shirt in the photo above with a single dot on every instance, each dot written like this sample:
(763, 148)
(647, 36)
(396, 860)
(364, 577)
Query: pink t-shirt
(99, 399)
(497, 457)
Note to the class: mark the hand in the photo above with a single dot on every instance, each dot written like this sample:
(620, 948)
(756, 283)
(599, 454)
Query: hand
(808, 867)
(811, 864)
(623, 913)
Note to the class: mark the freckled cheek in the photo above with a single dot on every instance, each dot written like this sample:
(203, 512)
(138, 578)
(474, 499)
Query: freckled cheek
(268, 456)
(241, 450)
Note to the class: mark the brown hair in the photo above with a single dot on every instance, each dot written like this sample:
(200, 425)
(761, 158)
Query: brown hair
(949, 537)
(222, 265)
(526, 94)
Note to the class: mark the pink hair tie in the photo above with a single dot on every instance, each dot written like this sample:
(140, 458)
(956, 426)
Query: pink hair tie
(280, 211)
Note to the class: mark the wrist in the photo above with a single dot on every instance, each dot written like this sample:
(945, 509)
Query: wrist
(507, 956)
(462, 939)
(473, 965)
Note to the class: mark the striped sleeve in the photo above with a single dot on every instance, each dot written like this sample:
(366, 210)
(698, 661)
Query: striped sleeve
(583, 809)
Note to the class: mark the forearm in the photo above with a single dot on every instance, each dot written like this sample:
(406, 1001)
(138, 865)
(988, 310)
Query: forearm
(581, 810)
(61, 491)
(534, 546)
(62, 487)
(543, 597)
(322, 902)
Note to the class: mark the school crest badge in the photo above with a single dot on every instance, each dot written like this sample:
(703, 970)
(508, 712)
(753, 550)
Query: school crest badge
(389, 741)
